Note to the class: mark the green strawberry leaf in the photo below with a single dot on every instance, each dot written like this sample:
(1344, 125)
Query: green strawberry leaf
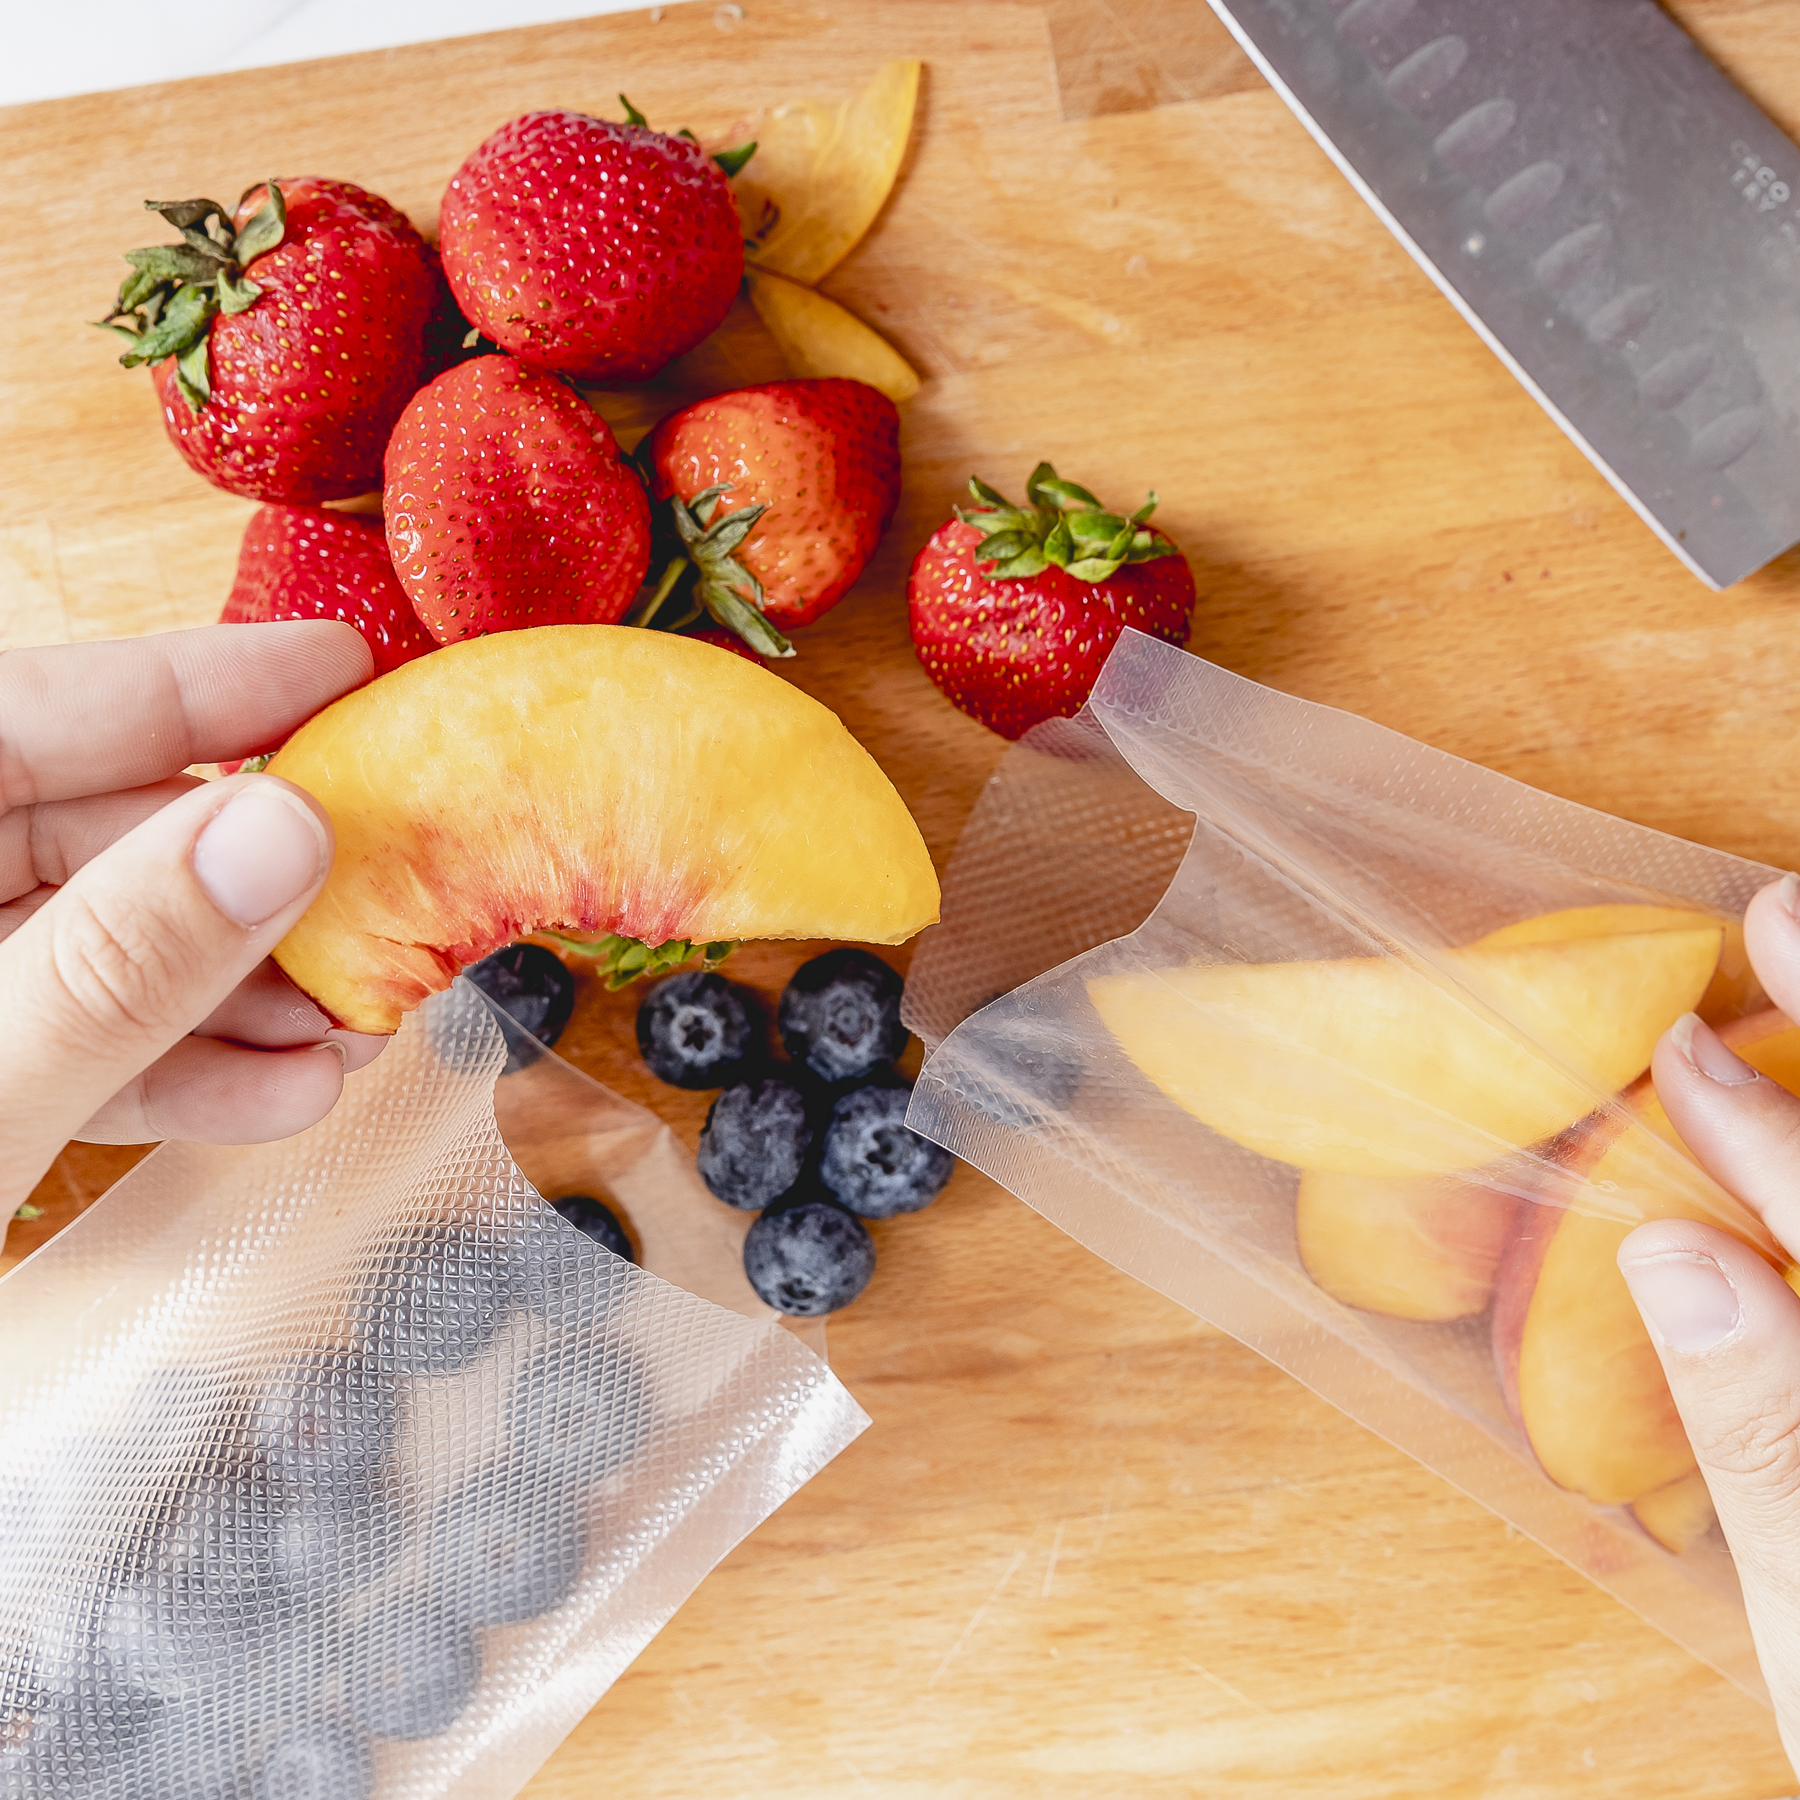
(1059, 546)
(732, 161)
(1004, 544)
(632, 115)
(1093, 568)
(237, 293)
(736, 614)
(982, 491)
(192, 375)
(184, 319)
(172, 262)
(1019, 568)
(264, 231)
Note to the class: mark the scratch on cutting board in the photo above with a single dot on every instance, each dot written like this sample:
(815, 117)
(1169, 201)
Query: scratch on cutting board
(968, 1631)
(1055, 1551)
(1224, 1687)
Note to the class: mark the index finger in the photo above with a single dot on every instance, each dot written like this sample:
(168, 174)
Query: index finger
(91, 718)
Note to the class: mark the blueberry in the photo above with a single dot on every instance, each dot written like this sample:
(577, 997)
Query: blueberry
(808, 1259)
(323, 1759)
(578, 1414)
(412, 1668)
(508, 1549)
(432, 1300)
(754, 1143)
(698, 1030)
(326, 1544)
(323, 1420)
(594, 1219)
(533, 990)
(871, 1163)
(840, 1015)
(554, 1272)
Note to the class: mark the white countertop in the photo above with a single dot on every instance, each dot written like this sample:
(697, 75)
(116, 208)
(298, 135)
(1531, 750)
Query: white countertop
(84, 46)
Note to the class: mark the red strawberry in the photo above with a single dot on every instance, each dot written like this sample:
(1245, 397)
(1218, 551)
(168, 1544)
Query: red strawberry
(1014, 609)
(816, 467)
(305, 562)
(601, 251)
(287, 337)
(509, 505)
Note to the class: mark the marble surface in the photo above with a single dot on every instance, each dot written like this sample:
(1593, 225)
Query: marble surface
(89, 46)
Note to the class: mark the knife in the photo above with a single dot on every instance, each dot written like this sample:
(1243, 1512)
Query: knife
(1618, 221)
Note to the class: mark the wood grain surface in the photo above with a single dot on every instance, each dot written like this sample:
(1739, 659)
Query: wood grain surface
(1090, 1548)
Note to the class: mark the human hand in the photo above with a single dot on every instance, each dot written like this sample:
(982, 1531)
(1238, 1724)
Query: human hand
(1726, 1325)
(138, 905)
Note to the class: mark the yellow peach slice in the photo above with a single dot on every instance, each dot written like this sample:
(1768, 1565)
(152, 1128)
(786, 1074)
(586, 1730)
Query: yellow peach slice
(1677, 1516)
(1413, 1247)
(1385, 1066)
(1579, 1370)
(1733, 987)
(818, 337)
(591, 779)
(822, 172)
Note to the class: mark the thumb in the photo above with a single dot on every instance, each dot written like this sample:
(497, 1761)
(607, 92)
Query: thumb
(138, 947)
(1727, 1328)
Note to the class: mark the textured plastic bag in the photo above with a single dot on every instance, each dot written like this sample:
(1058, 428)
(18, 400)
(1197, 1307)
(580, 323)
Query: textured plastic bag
(1131, 874)
(344, 1467)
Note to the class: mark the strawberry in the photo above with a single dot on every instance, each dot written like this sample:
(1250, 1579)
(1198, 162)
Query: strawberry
(779, 495)
(286, 337)
(509, 505)
(596, 250)
(1014, 609)
(305, 562)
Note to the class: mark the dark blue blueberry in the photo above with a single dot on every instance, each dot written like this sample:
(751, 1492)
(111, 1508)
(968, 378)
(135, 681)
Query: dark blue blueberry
(557, 1275)
(326, 1544)
(871, 1163)
(698, 1030)
(509, 1547)
(808, 1259)
(593, 1219)
(840, 1015)
(323, 1759)
(323, 1420)
(432, 1299)
(532, 988)
(754, 1143)
(580, 1410)
(411, 1668)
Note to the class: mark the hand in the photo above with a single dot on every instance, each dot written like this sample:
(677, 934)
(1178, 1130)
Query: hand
(1725, 1323)
(138, 905)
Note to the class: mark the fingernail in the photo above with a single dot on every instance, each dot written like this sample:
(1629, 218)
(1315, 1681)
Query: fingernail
(261, 851)
(1787, 891)
(336, 1049)
(1686, 1300)
(1707, 1053)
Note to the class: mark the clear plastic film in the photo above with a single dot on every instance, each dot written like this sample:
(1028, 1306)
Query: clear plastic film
(1343, 1043)
(344, 1467)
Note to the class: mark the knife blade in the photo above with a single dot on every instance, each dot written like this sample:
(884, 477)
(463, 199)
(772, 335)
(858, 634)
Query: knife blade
(1616, 218)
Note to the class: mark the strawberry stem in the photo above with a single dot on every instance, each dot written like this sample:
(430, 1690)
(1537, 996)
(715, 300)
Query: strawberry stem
(165, 306)
(625, 959)
(1062, 526)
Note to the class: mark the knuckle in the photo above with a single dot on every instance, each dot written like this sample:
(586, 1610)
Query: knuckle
(116, 970)
(1755, 1440)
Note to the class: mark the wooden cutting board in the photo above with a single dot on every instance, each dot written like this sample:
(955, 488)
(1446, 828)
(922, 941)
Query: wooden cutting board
(1090, 1548)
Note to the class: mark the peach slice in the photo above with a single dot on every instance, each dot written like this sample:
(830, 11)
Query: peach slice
(1413, 1247)
(822, 172)
(1578, 1367)
(818, 337)
(592, 779)
(1386, 1066)
(1677, 1516)
(1733, 987)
